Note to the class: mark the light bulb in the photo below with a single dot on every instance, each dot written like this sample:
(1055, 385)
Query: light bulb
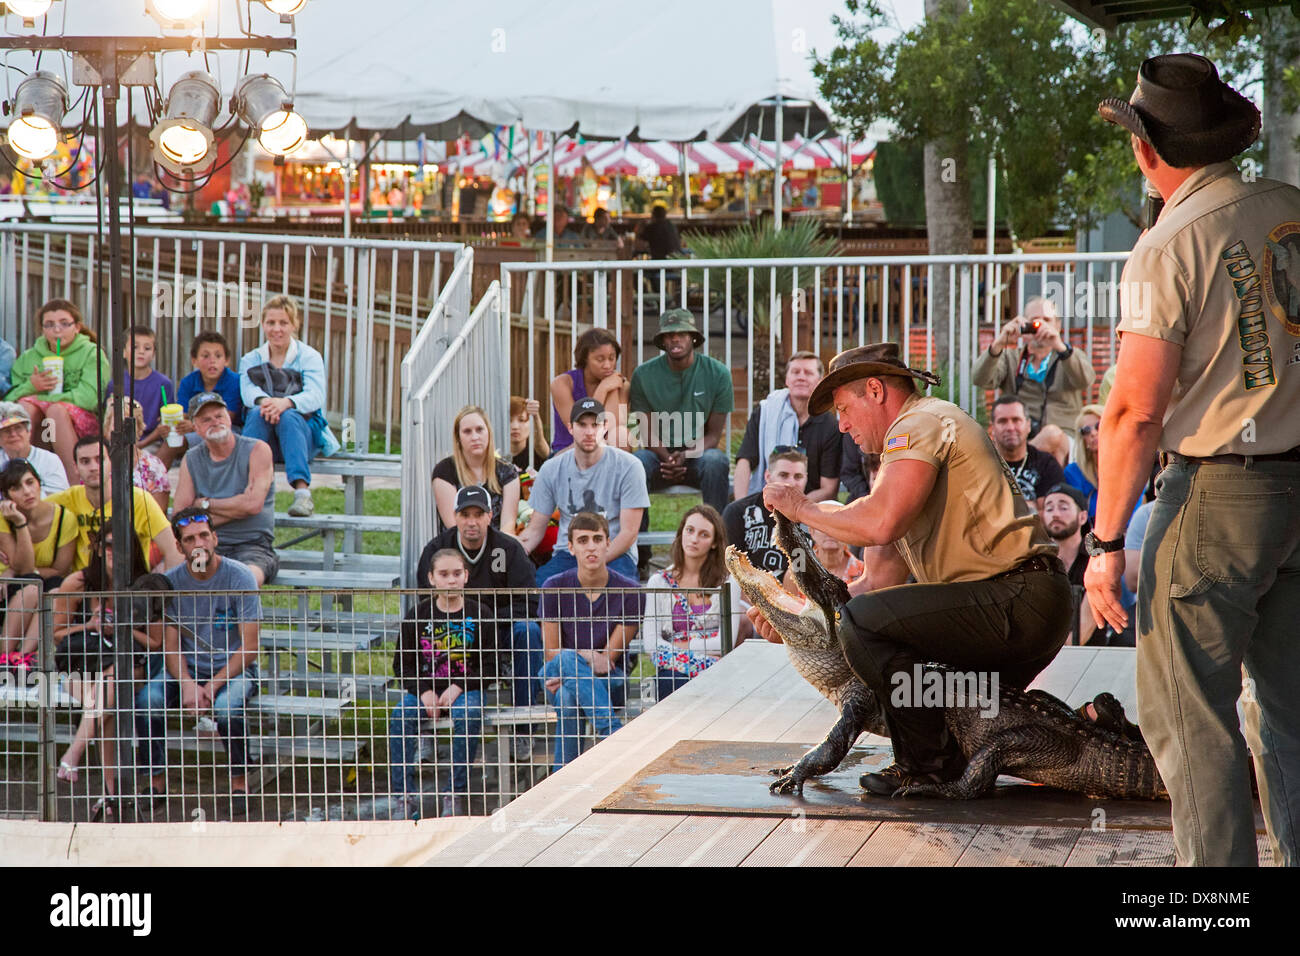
(33, 137)
(286, 8)
(283, 132)
(184, 144)
(29, 9)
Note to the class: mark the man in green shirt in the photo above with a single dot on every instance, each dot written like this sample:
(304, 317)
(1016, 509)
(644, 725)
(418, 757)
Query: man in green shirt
(679, 403)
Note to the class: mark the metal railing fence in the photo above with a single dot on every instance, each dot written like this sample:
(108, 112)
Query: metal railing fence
(362, 301)
(322, 724)
(754, 312)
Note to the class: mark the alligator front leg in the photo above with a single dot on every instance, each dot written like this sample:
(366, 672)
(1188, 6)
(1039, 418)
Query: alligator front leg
(855, 711)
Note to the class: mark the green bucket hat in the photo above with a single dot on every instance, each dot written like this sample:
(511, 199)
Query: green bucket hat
(678, 320)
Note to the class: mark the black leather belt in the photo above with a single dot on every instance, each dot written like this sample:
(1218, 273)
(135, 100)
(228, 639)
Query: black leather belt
(1241, 461)
(1039, 562)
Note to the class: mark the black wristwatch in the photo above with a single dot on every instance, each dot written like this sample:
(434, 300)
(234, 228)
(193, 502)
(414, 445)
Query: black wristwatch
(1095, 546)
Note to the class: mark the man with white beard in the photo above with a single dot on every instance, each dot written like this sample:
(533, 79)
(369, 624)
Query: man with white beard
(232, 478)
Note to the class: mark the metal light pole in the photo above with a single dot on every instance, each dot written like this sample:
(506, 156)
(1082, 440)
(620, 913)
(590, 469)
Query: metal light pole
(107, 63)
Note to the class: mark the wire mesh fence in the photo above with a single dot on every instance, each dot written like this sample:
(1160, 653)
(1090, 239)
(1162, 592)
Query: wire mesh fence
(180, 706)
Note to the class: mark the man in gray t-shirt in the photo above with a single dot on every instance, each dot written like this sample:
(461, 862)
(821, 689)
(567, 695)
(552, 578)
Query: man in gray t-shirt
(232, 478)
(589, 476)
(209, 648)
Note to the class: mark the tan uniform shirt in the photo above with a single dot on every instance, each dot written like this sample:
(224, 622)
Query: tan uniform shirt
(1219, 274)
(975, 524)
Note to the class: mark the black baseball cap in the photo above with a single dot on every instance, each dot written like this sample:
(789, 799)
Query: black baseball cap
(1060, 488)
(205, 398)
(586, 406)
(473, 496)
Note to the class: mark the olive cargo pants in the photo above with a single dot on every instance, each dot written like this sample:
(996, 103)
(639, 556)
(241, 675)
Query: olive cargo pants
(1219, 590)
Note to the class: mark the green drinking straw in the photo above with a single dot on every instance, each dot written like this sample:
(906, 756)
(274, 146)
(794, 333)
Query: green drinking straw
(163, 389)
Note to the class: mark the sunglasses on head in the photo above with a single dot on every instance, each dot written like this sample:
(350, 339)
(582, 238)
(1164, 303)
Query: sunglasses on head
(1087, 429)
(192, 519)
(785, 449)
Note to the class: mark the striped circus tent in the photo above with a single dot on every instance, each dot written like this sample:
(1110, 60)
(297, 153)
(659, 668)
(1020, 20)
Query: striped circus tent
(800, 153)
(625, 158)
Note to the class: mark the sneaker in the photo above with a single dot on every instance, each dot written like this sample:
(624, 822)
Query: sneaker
(303, 506)
(521, 749)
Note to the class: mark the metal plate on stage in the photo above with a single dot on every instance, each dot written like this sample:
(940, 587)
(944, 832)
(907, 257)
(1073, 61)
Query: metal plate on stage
(732, 777)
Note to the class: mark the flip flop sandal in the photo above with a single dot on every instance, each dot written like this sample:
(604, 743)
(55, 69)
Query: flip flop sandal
(105, 808)
(67, 772)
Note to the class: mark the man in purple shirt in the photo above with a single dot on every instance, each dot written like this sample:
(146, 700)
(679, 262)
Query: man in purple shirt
(586, 626)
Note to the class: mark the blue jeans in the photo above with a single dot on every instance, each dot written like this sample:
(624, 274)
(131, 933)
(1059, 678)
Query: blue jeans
(582, 693)
(525, 661)
(163, 691)
(291, 439)
(710, 473)
(561, 561)
(404, 741)
(667, 681)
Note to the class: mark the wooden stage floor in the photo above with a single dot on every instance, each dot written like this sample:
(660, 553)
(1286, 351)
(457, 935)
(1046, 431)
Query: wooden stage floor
(755, 695)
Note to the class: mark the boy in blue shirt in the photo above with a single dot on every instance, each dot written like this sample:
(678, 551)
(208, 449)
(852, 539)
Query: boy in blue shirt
(210, 356)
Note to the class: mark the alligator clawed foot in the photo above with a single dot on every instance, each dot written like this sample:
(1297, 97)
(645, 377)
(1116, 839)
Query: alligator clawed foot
(790, 784)
(782, 771)
(918, 790)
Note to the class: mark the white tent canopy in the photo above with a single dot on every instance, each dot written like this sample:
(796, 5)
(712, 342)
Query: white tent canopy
(674, 70)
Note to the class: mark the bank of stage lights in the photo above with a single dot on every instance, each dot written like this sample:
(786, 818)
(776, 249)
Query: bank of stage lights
(183, 138)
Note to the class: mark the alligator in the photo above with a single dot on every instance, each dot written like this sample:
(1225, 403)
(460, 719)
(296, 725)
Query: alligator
(1030, 734)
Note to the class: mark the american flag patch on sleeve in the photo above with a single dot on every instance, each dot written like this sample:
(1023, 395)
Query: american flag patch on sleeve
(897, 443)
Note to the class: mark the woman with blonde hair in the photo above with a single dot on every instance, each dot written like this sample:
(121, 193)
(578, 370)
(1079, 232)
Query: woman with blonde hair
(1082, 472)
(474, 460)
(682, 626)
(282, 384)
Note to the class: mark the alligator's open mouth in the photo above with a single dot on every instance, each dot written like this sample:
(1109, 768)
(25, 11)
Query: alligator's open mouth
(769, 589)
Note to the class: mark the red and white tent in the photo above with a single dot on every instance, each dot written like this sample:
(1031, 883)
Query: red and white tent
(656, 159)
(825, 153)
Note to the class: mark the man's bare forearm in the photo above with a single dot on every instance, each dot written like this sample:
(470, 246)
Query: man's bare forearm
(1124, 469)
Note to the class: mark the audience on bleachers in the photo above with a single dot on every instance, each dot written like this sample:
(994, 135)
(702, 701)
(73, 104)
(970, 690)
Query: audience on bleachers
(1034, 470)
(782, 419)
(682, 630)
(526, 423)
(91, 502)
(16, 443)
(85, 640)
(38, 541)
(282, 383)
(588, 477)
(60, 378)
(682, 400)
(148, 473)
(1032, 360)
(595, 375)
(1081, 472)
(210, 645)
(496, 560)
(232, 479)
(150, 388)
(585, 640)
(750, 525)
(443, 654)
(210, 360)
(474, 460)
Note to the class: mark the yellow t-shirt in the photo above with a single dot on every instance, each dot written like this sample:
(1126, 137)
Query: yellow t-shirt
(975, 524)
(149, 519)
(63, 528)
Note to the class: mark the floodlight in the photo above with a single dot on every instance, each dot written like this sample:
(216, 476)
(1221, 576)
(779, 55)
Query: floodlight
(29, 9)
(177, 14)
(38, 108)
(261, 102)
(286, 8)
(182, 139)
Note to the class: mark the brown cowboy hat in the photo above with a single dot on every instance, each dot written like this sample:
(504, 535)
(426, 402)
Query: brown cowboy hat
(1185, 111)
(865, 361)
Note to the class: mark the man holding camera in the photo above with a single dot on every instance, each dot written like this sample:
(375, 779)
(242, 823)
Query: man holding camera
(1031, 360)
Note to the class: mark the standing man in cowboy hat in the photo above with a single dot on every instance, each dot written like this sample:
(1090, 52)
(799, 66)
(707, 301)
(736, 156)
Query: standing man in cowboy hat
(990, 597)
(1209, 376)
(681, 401)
